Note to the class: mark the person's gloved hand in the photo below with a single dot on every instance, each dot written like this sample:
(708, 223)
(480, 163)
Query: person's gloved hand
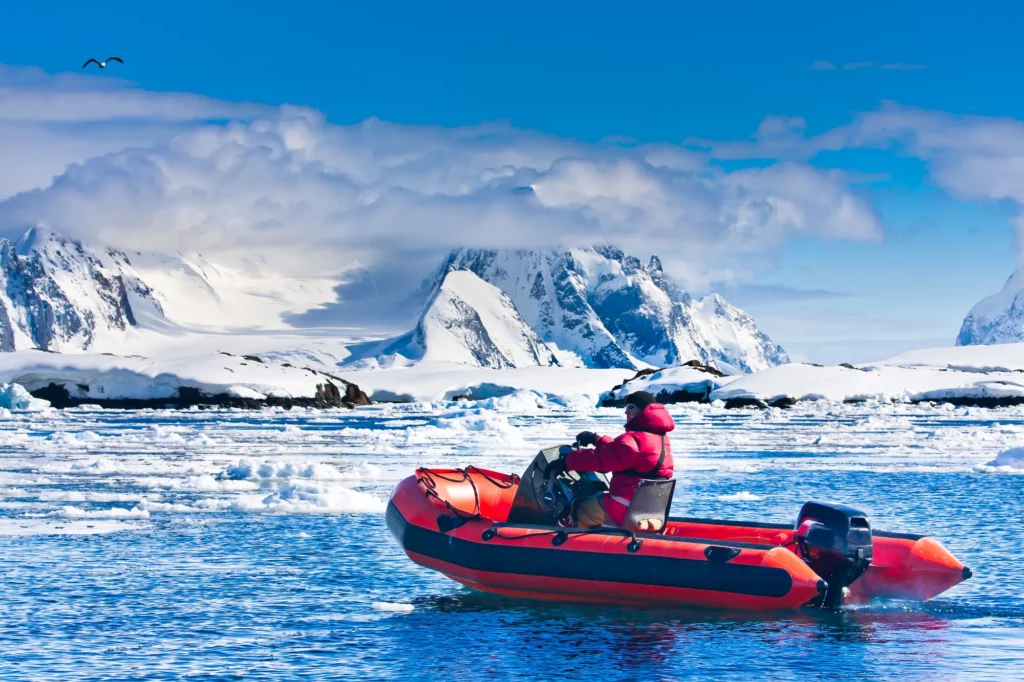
(555, 468)
(585, 438)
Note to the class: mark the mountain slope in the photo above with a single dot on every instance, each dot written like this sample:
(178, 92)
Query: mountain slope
(998, 318)
(467, 321)
(56, 295)
(602, 308)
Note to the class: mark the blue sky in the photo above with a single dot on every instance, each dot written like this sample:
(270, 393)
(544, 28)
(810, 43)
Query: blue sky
(648, 73)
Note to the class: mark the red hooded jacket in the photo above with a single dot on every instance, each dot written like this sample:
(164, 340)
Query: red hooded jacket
(638, 449)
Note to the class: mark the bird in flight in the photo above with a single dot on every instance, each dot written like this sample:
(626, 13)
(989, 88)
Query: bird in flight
(103, 65)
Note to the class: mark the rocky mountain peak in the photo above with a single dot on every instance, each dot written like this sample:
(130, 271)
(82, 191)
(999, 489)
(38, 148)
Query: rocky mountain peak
(601, 307)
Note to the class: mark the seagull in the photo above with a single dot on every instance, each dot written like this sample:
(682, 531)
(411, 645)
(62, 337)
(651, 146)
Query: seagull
(103, 65)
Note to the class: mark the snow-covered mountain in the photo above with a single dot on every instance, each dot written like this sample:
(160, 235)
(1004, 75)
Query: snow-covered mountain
(599, 307)
(998, 318)
(467, 321)
(56, 295)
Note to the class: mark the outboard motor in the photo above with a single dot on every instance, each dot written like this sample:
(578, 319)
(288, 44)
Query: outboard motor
(835, 541)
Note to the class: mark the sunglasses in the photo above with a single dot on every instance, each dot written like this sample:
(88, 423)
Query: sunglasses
(631, 406)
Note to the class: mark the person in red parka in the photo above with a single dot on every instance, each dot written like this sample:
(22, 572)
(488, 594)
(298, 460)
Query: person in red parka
(642, 452)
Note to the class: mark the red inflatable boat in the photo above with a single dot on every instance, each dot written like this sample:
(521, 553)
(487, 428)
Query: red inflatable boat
(499, 533)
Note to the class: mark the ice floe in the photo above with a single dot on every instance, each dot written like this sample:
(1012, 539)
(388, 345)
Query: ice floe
(1008, 461)
(16, 397)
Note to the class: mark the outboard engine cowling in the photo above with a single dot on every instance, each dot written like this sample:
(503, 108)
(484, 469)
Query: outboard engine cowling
(835, 541)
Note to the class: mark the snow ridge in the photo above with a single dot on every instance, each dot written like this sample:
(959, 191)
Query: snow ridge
(465, 320)
(998, 318)
(599, 307)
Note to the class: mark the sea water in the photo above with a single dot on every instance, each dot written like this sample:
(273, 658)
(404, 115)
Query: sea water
(225, 545)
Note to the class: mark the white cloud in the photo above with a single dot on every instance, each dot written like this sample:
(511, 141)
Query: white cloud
(157, 171)
(971, 157)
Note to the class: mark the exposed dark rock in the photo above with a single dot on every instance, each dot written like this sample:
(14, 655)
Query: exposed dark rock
(847, 365)
(354, 396)
(733, 403)
(1005, 401)
(327, 395)
(665, 397)
(253, 358)
(696, 364)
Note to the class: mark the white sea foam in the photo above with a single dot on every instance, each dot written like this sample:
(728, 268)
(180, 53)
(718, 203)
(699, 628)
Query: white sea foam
(392, 607)
(742, 496)
(19, 526)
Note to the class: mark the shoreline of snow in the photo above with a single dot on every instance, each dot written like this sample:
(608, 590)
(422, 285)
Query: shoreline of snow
(985, 376)
(133, 381)
(441, 381)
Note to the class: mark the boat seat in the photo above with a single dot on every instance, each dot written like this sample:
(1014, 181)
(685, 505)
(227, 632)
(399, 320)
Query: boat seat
(651, 503)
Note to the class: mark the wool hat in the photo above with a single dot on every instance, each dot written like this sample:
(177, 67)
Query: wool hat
(639, 398)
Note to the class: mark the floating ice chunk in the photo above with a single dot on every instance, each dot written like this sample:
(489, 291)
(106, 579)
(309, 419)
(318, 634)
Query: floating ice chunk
(112, 513)
(1008, 461)
(211, 484)
(311, 497)
(519, 401)
(304, 535)
(95, 466)
(240, 391)
(248, 469)
(74, 437)
(15, 397)
(391, 607)
(742, 496)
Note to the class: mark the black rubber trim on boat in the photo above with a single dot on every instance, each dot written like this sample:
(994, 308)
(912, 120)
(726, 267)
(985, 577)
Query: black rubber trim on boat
(967, 573)
(626, 568)
(782, 526)
(619, 532)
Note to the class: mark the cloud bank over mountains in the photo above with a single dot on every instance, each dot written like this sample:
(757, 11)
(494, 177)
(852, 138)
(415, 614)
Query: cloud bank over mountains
(110, 163)
(176, 171)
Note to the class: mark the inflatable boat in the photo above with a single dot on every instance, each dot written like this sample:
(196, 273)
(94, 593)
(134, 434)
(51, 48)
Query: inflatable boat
(512, 535)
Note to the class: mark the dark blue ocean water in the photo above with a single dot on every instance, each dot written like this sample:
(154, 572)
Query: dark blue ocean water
(243, 596)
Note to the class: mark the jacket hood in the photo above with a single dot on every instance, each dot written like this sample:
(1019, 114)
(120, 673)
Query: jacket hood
(654, 419)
